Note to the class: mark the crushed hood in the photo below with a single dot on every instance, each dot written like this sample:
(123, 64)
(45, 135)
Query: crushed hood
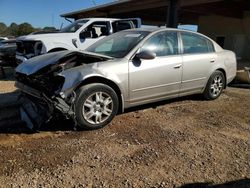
(35, 64)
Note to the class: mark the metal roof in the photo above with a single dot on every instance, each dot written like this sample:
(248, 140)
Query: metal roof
(155, 11)
(118, 2)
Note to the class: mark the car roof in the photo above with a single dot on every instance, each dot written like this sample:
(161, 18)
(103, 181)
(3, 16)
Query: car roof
(99, 19)
(158, 29)
(155, 29)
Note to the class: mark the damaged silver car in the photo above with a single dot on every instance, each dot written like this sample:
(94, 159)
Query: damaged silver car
(123, 70)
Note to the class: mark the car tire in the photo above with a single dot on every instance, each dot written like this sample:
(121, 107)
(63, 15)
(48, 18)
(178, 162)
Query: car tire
(215, 85)
(96, 105)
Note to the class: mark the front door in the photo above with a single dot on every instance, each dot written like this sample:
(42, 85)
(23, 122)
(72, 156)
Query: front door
(160, 77)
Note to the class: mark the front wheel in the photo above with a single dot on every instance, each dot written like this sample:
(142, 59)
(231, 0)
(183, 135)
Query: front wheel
(215, 85)
(96, 106)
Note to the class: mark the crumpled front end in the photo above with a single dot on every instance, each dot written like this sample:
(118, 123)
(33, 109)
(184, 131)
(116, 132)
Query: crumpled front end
(38, 108)
(41, 83)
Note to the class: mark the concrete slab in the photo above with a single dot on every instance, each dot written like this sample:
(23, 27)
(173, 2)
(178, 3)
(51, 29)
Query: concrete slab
(241, 64)
(243, 72)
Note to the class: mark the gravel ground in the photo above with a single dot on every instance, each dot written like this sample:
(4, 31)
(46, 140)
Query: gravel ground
(187, 142)
(7, 84)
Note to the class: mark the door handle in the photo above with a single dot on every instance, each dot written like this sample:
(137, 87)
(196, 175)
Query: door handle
(212, 60)
(177, 66)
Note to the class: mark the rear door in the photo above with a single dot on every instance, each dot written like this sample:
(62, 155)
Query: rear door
(160, 77)
(198, 57)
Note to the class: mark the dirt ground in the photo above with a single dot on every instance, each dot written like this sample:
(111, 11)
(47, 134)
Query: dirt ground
(185, 143)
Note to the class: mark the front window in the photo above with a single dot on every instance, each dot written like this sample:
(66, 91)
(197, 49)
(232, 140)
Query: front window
(119, 44)
(162, 44)
(98, 29)
(74, 26)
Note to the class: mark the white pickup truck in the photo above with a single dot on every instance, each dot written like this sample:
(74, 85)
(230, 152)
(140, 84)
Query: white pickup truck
(77, 36)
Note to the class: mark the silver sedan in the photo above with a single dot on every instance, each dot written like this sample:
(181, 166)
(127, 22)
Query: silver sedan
(123, 70)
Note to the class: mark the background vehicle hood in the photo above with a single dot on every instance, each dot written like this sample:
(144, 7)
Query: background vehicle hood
(46, 36)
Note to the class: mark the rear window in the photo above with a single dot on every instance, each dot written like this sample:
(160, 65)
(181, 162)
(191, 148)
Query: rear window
(122, 25)
(193, 44)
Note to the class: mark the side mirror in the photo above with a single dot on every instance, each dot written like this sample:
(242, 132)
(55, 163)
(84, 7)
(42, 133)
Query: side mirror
(146, 55)
(85, 34)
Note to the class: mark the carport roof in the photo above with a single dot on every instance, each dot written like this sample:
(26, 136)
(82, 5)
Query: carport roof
(99, 7)
(155, 11)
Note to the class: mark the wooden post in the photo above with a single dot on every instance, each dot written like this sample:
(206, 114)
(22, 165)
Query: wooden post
(172, 14)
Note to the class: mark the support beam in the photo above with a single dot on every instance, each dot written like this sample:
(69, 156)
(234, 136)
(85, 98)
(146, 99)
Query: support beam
(172, 14)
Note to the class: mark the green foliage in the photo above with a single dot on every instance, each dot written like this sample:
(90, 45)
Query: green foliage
(19, 30)
(49, 29)
(25, 29)
(13, 29)
(3, 29)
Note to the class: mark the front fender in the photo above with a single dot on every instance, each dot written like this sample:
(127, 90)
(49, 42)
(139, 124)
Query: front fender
(73, 80)
(74, 77)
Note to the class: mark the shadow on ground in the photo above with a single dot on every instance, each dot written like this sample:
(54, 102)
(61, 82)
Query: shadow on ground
(16, 126)
(243, 183)
(52, 126)
(240, 85)
(10, 120)
(165, 102)
(8, 73)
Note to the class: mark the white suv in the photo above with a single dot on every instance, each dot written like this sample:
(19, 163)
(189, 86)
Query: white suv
(77, 36)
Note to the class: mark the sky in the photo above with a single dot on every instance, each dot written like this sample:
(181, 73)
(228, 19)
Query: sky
(41, 13)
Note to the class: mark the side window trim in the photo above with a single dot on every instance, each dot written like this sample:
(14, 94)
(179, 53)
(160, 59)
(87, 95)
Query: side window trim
(180, 43)
(212, 44)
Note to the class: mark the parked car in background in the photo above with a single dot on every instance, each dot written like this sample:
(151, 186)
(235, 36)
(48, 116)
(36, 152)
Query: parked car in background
(126, 69)
(77, 36)
(8, 52)
(3, 38)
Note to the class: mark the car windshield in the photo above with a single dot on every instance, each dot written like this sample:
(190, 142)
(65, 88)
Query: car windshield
(119, 44)
(74, 26)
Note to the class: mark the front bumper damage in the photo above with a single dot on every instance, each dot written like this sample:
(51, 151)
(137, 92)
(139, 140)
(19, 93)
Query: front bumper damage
(37, 109)
(48, 83)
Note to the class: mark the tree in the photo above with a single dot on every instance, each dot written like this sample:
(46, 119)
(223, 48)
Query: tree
(13, 29)
(3, 29)
(18, 30)
(49, 28)
(25, 29)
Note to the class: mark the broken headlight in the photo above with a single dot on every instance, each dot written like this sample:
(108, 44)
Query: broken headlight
(68, 63)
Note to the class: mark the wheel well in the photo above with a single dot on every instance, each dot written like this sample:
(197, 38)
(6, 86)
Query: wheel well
(224, 73)
(56, 50)
(106, 82)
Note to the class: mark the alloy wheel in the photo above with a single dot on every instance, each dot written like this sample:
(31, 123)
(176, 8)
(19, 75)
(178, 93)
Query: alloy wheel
(97, 108)
(216, 86)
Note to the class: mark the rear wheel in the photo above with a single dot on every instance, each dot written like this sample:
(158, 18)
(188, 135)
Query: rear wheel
(96, 106)
(215, 85)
